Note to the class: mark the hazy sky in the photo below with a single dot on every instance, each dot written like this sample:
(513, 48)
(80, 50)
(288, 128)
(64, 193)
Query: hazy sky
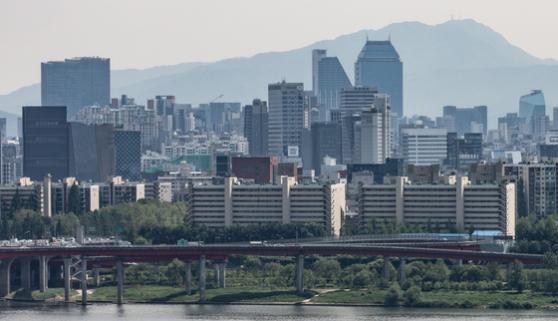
(145, 33)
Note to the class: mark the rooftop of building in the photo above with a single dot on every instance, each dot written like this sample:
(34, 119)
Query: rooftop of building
(378, 49)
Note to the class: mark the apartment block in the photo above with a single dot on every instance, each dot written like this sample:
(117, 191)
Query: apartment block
(288, 202)
(460, 205)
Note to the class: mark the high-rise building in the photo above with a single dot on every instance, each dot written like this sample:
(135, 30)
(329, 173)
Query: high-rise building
(286, 119)
(326, 142)
(379, 65)
(424, 146)
(164, 104)
(352, 102)
(92, 154)
(532, 104)
(256, 126)
(467, 120)
(537, 192)
(128, 154)
(46, 142)
(374, 145)
(75, 83)
(510, 127)
(3, 131)
(328, 78)
(463, 152)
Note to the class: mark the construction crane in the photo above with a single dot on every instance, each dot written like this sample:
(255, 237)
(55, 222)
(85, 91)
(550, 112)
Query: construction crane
(217, 98)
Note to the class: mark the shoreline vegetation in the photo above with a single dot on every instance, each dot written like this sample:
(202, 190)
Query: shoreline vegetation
(340, 280)
(378, 297)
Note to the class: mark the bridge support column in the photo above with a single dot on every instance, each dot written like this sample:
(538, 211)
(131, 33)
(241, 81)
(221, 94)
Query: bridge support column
(202, 279)
(67, 277)
(25, 264)
(222, 266)
(120, 282)
(402, 275)
(188, 277)
(83, 276)
(299, 277)
(43, 273)
(5, 277)
(386, 269)
(97, 277)
(220, 273)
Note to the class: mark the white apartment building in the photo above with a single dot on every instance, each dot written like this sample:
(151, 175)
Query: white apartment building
(461, 204)
(375, 132)
(235, 204)
(424, 146)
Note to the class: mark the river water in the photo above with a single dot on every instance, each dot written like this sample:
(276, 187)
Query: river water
(108, 312)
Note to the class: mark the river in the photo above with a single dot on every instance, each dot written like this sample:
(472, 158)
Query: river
(108, 312)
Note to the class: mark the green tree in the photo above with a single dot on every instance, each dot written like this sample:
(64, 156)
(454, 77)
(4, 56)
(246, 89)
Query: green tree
(73, 200)
(327, 269)
(393, 295)
(412, 296)
(516, 277)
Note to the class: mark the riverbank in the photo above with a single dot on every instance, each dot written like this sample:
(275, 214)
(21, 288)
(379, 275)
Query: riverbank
(335, 297)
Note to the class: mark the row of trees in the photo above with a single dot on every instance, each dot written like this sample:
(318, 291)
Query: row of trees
(537, 235)
(348, 272)
(145, 222)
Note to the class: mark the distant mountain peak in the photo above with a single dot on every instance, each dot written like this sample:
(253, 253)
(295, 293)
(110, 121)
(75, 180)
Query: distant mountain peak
(457, 62)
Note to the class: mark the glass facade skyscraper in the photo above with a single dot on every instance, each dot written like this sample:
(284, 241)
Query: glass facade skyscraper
(532, 104)
(379, 65)
(328, 78)
(46, 143)
(75, 83)
(128, 154)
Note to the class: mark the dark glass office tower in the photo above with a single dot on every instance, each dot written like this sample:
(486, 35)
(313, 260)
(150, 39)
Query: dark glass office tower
(379, 65)
(92, 152)
(75, 83)
(46, 143)
(328, 78)
(128, 154)
(255, 127)
(326, 141)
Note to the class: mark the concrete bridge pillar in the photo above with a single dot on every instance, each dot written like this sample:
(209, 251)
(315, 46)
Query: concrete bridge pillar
(83, 276)
(119, 281)
(402, 275)
(25, 264)
(188, 277)
(202, 278)
(299, 274)
(43, 273)
(386, 269)
(5, 277)
(67, 278)
(220, 273)
(96, 277)
(222, 266)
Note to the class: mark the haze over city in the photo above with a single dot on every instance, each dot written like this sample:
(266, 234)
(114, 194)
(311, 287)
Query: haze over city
(143, 33)
(278, 160)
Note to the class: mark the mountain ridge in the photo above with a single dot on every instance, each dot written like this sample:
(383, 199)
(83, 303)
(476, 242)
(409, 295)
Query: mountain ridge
(443, 64)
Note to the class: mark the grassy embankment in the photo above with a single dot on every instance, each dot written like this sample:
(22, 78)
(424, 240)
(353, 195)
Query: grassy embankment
(461, 299)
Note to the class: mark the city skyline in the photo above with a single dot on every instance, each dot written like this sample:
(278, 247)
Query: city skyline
(106, 40)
